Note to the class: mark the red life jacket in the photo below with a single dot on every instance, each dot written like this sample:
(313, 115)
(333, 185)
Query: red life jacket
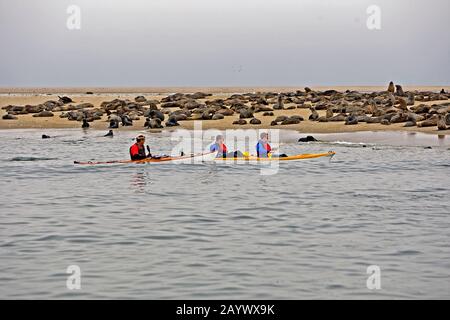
(220, 148)
(137, 152)
(224, 148)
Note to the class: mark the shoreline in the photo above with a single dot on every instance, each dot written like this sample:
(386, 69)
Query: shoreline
(27, 121)
(213, 90)
(364, 138)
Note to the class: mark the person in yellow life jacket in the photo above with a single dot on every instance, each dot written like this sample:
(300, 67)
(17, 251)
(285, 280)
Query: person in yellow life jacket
(137, 150)
(220, 147)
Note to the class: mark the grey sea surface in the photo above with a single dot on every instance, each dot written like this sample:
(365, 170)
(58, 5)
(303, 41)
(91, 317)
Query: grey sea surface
(224, 231)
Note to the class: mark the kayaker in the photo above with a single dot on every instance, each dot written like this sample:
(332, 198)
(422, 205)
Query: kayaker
(263, 147)
(137, 150)
(219, 146)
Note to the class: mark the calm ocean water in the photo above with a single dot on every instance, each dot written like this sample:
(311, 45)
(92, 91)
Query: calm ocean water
(224, 231)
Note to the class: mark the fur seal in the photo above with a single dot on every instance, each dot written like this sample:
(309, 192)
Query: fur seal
(109, 134)
(155, 114)
(126, 121)
(399, 117)
(280, 104)
(280, 118)
(432, 122)
(172, 122)
(410, 124)
(245, 114)
(85, 124)
(391, 87)
(329, 113)
(9, 117)
(403, 105)
(391, 100)
(217, 116)
(399, 90)
(114, 124)
(308, 139)
(314, 114)
(140, 99)
(65, 100)
(291, 120)
(441, 123)
(153, 123)
(43, 114)
(411, 99)
(240, 122)
(351, 120)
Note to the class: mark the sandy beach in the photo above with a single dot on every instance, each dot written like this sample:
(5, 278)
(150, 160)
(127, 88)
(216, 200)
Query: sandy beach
(36, 96)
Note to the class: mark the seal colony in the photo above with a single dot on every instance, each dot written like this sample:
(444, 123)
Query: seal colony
(411, 109)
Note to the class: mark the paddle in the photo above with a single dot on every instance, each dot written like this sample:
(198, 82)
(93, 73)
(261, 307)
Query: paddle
(149, 153)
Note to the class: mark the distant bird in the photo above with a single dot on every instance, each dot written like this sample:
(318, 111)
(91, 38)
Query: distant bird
(44, 136)
(109, 134)
(85, 124)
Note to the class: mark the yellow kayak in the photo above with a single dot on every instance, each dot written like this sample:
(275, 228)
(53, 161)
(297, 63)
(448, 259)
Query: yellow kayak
(298, 157)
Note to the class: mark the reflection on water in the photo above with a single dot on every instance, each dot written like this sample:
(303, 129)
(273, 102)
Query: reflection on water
(224, 231)
(139, 180)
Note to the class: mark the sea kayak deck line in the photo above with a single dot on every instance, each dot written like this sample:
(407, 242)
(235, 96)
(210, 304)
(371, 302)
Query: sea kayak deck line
(202, 157)
(210, 157)
(297, 157)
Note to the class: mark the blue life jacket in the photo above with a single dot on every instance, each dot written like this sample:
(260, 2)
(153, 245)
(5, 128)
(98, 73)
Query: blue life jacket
(262, 149)
(221, 148)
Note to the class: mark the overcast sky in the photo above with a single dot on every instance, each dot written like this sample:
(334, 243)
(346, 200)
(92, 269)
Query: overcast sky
(223, 43)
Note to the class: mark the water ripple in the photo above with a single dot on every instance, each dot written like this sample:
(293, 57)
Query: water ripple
(222, 231)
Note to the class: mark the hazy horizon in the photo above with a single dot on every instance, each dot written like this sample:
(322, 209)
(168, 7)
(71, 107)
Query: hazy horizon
(232, 43)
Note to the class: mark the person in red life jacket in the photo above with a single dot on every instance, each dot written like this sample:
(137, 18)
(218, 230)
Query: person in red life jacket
(220, 147)
(263, 147)
(137, 150)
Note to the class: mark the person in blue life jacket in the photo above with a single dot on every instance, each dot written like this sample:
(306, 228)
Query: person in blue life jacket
(222, 150)
(263, 148)
(219, 146)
